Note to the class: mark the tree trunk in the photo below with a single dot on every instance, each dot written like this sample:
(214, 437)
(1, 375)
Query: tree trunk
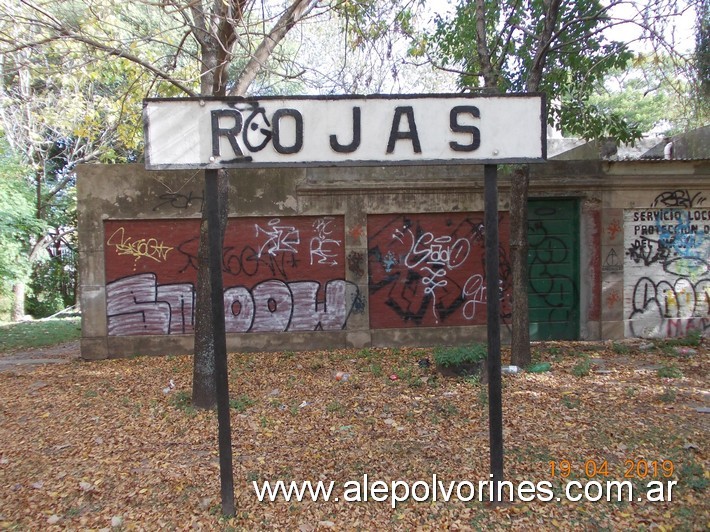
(18, 301)
(216, 43)
(204, 392)
(520, 337)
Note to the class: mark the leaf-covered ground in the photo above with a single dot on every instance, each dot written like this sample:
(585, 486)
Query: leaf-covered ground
(101, 445)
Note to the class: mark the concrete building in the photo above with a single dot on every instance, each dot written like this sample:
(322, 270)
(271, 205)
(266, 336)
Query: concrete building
(375, 256)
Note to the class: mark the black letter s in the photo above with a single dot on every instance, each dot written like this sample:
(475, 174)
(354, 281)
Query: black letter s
(458, 128)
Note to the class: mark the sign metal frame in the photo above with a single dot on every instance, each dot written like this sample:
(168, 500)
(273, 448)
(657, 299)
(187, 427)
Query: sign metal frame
(500, 121)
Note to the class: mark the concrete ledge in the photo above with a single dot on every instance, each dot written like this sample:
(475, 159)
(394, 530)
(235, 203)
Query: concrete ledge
(291, 341)
(128, 346)
(94, 348)
(430, 336)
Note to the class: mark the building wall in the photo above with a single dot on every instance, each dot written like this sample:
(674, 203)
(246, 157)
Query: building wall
(329, 257)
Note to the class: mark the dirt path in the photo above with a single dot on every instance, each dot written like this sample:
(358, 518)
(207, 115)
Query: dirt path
(27, 359)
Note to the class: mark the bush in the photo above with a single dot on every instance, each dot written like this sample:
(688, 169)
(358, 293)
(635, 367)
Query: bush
(53, 285)
(458, 356)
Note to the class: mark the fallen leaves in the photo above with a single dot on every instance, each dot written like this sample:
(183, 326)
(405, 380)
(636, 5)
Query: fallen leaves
(103, 445)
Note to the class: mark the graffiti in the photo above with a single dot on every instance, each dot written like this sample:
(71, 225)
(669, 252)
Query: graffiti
(323, 247)
(612, 299)
(647, 252)
(613, 229)
(266, 268)
(551, 289)
(355, 264)
(667, 264)
(664, 308)
(359, 303)
(138, 305)
(281, 238)
(148, 248)
(474, 292)
(428, 269)
(245, 261)
(390, 260)
(612, 262)
(277, 306)
(356, 232)
(178, 201)
(679, 246)
(433, 257)
(679, 199)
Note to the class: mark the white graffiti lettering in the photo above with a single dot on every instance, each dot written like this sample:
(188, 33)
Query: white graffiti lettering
(474, 291)
(434, 257)
(280, 238)
(322, 245)
(137, 305)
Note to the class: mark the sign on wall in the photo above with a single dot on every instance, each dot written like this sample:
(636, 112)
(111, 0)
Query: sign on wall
(667, 266)
(346, 130)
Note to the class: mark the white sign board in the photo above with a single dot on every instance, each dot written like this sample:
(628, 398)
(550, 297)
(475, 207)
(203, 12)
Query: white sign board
(347, 130)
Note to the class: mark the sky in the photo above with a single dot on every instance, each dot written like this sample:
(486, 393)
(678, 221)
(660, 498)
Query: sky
(680, 28)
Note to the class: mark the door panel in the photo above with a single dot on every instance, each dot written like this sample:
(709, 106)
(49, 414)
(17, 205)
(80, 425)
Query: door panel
(553, 269)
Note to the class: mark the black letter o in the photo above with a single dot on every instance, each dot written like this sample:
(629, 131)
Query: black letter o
(298, 119)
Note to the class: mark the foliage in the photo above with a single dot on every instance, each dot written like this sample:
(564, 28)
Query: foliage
(241, 403)
(702, 53)
(53, 285)
(693, 339)
(30, 334)
(669, 371)
(459, 355)
(651, 94)
(540, 367)
(17, 221)
(566, 67)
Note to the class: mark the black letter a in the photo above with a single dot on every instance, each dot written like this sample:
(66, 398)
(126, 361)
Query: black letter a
(396, 134)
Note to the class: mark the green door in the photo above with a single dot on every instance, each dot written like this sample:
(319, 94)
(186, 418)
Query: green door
(553, 269)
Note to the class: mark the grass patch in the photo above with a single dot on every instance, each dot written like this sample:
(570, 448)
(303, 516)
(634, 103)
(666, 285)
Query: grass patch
(692, 474)
(375, 368)
(182, 400)
(335, 407)
(620, 349)
(39, 333)
(669, 372)
(241, 403)
(539, 367)
(668, 396)
(582, 368)
(692, 339)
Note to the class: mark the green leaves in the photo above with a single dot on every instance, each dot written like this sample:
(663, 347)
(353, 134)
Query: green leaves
(17, 222)
(530, 46)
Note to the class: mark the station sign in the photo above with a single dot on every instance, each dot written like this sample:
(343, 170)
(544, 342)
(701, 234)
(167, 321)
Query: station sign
(183, 133)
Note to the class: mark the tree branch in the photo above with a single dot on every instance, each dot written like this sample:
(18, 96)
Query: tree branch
(296, 11)
(129, 57)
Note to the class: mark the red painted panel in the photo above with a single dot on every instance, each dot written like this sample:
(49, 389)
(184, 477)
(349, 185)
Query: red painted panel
(429, 269)
(592, 213)
(279, 274)
(255, 249)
